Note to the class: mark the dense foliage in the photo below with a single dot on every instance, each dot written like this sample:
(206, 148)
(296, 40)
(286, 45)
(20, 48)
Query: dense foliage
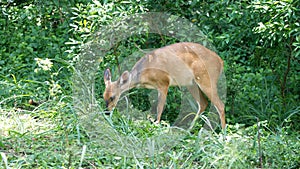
(41, 44)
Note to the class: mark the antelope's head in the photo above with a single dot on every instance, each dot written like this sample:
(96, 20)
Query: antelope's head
(113, 90)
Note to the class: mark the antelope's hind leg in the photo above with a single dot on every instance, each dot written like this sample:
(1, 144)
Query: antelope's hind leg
(207, 81)
(200, 99)
(198, 96)
(212, 93)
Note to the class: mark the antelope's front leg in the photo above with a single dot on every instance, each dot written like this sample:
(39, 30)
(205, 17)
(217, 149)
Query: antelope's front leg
(162, 96)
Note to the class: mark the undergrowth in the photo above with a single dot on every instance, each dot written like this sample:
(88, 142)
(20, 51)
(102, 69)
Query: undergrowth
(48, 136)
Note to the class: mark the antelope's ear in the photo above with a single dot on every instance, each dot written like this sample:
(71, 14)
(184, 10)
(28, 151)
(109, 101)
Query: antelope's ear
(107, 76)
(124, 77)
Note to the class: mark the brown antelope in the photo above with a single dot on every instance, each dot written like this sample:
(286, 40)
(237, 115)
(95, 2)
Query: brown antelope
(181, 64)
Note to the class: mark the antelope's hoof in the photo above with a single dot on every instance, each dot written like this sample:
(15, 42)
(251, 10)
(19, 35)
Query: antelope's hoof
(156, 122)
(152, 120)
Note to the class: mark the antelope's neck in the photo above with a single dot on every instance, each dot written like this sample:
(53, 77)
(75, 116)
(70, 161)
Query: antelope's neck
(131, 83)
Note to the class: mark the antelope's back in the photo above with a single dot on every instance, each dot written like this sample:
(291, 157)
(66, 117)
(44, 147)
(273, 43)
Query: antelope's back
(179, 61)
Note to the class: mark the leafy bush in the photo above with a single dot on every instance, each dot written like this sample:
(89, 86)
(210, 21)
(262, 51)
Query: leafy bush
(41, 43)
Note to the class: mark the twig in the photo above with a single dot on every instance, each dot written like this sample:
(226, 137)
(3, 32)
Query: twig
(259, 146)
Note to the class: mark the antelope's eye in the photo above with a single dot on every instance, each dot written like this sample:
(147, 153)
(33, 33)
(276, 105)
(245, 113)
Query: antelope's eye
(112, 98)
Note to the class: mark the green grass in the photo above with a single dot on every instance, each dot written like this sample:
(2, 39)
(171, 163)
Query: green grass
(49, 137)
